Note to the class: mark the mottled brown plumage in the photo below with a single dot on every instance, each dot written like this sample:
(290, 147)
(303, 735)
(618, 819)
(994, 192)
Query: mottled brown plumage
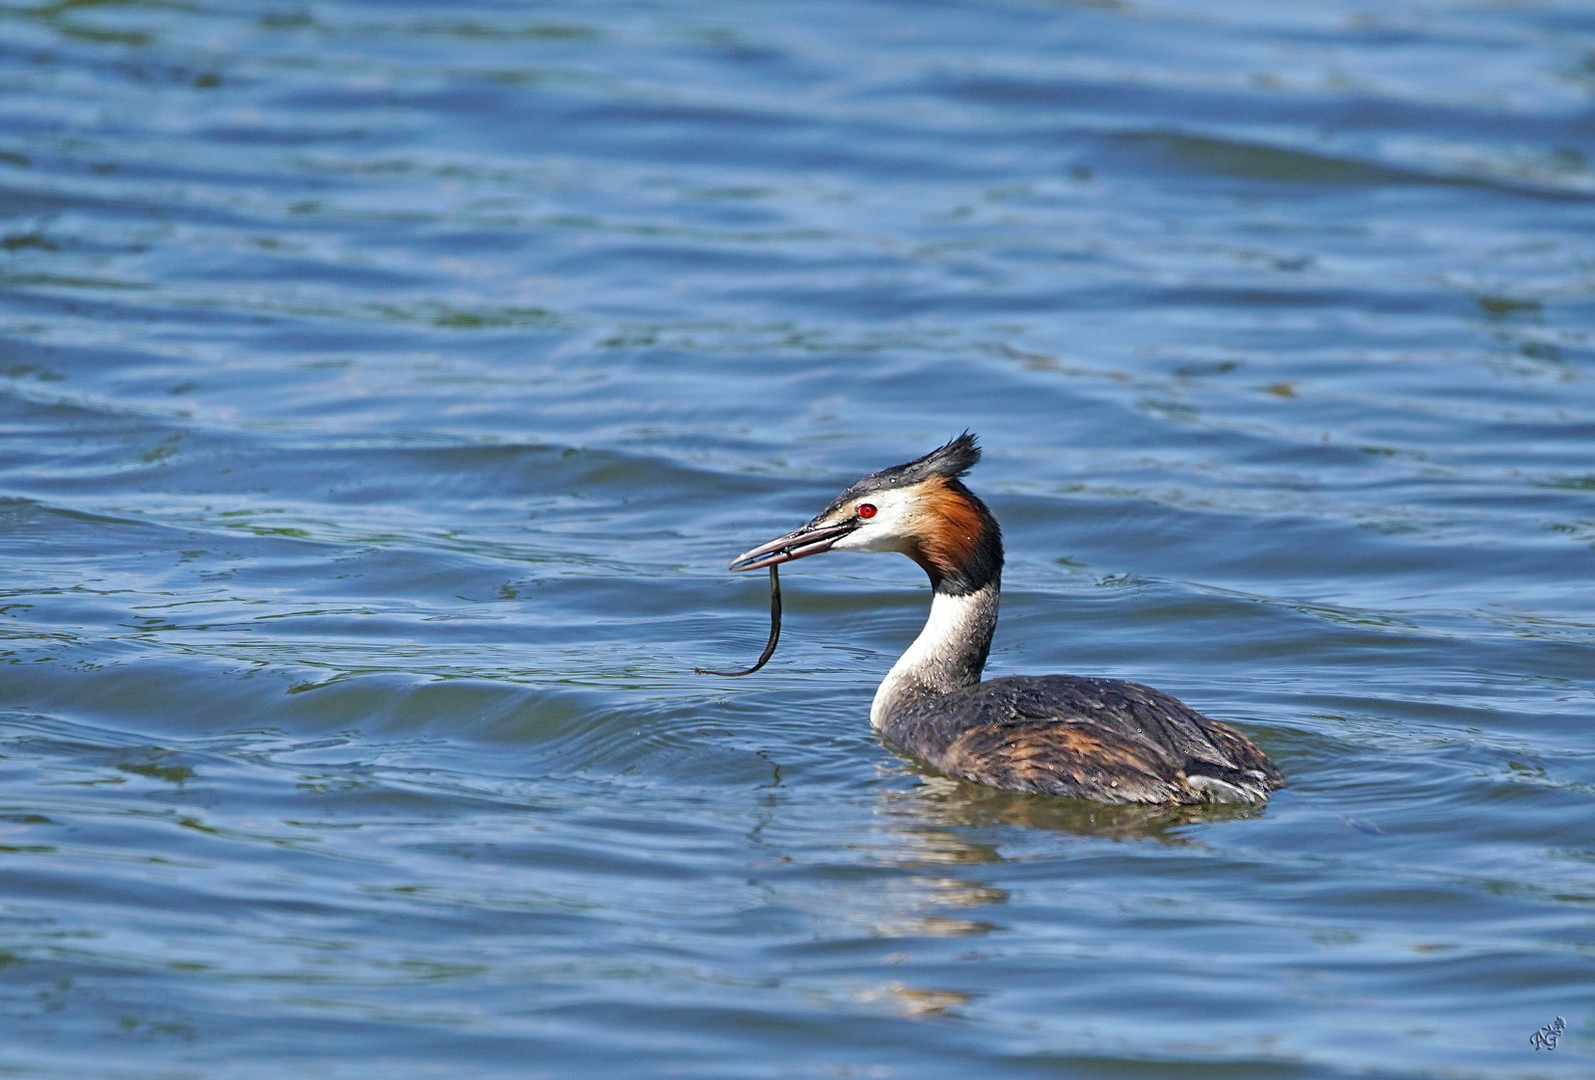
(1100, 739)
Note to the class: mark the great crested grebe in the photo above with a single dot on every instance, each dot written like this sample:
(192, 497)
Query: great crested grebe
(1100, 739)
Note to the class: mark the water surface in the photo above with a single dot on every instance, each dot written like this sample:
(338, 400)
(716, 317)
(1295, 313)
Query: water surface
(384, 387)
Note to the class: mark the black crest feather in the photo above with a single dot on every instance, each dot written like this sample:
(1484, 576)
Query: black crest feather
(952, 459)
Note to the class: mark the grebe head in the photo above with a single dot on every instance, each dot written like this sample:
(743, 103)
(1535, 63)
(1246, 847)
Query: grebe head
(919, 508)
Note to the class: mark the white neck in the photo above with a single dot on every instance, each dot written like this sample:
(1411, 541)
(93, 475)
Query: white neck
(949, 652)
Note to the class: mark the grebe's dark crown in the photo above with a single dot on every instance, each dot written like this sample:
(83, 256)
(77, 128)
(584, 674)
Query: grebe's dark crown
(950, 460)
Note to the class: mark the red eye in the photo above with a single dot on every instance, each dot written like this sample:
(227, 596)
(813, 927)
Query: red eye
(866, 510)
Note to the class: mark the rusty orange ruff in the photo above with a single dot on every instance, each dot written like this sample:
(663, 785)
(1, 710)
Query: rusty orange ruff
(948, 527)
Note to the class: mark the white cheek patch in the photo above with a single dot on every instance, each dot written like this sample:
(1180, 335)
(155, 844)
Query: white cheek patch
(888, 530)
(867, 540)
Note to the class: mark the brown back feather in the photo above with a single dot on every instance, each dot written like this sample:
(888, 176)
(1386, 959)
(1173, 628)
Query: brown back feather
(1075, 760)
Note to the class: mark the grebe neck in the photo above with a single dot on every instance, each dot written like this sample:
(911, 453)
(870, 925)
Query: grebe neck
(949, 653)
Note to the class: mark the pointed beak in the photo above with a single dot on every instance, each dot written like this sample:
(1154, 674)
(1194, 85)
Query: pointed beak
(811, 539)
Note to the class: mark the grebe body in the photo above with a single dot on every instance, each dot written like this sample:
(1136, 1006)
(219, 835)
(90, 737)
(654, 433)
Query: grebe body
(1101, 739)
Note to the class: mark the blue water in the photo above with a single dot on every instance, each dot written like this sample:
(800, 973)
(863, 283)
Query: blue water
(384, 387)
